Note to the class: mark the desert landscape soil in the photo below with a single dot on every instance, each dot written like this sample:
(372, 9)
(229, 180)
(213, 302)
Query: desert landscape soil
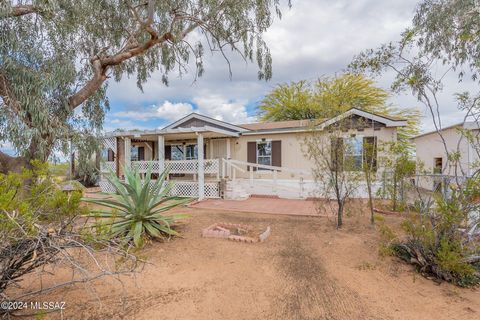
(305, 270)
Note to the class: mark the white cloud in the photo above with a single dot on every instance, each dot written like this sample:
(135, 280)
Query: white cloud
(173, 111)
(167, 111)
(221, 108)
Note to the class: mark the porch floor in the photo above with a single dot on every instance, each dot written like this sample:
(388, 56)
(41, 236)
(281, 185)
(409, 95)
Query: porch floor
(295, 207)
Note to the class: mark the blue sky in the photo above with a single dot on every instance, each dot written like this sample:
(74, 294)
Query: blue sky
(314, 38)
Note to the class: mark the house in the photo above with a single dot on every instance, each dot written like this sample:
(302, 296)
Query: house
(234, 161)
(432, 157)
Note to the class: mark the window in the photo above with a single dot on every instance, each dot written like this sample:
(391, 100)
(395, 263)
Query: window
(352, 153)
(264, 152)
(438, 168)
(192, 152)
(177, 152)
(137, 153)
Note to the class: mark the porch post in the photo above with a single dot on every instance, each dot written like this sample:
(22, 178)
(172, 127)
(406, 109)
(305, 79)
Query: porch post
(229, 169)
(128, 150)
(201, 163)
(161, 154)
(210, 148)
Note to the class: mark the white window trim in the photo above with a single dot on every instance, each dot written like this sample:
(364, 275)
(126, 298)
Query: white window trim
(256, 150)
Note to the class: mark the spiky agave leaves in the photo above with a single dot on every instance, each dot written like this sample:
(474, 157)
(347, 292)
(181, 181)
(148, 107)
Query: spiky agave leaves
(137, 209)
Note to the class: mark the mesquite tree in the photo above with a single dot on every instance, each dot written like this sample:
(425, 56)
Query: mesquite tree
(56, 58)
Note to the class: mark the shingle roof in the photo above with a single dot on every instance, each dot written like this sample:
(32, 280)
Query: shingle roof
(277, 124)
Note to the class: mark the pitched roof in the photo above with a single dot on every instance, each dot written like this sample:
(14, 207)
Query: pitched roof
(277, 125)
(469, 125)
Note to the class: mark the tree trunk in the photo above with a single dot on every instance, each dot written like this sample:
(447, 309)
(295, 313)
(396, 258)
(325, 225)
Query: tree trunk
(340, 214)
(394, 193)
(370, 198)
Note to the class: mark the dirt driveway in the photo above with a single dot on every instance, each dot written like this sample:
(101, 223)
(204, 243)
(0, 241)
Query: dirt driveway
(305, 270)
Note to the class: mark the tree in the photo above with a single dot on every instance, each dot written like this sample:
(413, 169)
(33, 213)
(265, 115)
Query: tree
(442, 239)
(325, 98)
(336, 175)
(370, 172)
(449, 31)
(56, 58)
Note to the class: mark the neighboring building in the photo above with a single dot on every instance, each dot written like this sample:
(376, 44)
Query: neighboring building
(431, 153)
(235, 161)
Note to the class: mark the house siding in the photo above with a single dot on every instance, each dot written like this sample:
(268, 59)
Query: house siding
(293, 149)
(431, 146)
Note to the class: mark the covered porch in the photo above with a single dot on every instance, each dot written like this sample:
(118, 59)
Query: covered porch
(192, 156)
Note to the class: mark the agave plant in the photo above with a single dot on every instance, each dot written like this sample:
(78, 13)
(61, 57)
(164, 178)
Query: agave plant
(137, 209)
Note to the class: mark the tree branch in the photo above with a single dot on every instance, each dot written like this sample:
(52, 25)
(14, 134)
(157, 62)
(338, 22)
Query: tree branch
(20, 10)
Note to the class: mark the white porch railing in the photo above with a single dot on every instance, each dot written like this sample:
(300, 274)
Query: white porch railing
(108, 166)
(212, 166)
(187, 189)
(142, 166)
(231, 167)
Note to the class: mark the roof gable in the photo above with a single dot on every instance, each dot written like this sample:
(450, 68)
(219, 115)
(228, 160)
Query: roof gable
(385, 120)
(195, 120)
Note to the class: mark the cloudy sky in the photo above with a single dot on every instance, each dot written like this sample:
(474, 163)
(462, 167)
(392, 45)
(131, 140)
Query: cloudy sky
(314, 38)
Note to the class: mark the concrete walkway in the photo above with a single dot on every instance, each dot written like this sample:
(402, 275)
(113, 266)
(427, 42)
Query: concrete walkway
(262, 205)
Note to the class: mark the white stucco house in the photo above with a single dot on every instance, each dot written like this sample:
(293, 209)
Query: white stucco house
(209, 158)
(432, 149)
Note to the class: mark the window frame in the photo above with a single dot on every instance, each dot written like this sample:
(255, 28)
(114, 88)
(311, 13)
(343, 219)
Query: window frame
(356, 153)
(132, 153)
(195, 151)
(176, 147)
(266, 142)
(359, 140)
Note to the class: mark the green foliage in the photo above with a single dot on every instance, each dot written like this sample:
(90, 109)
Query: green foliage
(437, 244)
(32, 197)
(34, 213)
(57, 56)
(329, 97)
(399, 166)
(449, 31)
(138, 208)
(325, 98)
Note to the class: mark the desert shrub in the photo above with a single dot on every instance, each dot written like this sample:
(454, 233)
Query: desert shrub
(438, 241)
(32, 209)
(40, 225)
(137, 209)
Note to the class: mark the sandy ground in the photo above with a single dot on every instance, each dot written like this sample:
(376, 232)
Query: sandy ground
(305, 270)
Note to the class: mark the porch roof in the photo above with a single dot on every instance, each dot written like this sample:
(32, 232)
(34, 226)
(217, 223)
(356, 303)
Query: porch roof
(175, 134)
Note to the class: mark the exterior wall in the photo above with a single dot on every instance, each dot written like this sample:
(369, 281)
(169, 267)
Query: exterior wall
(431, 146)
(293, 149)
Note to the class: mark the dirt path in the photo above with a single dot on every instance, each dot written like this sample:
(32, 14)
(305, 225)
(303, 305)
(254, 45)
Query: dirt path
(310, 292)
(305, 270)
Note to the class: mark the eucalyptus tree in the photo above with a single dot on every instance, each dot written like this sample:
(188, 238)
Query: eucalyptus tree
(57, 56)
